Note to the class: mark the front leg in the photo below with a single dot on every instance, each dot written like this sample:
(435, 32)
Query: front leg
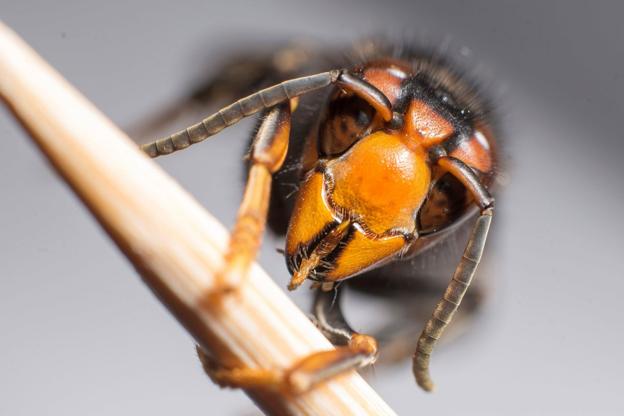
(267, 155)
(354, 351)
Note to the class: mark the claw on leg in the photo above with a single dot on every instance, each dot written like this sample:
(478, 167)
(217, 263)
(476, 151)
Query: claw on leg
(241, 377)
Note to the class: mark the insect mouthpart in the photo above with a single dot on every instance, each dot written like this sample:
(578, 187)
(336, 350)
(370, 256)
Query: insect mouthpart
(307, 267)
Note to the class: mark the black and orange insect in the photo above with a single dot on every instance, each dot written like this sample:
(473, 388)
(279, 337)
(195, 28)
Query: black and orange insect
(390, 155)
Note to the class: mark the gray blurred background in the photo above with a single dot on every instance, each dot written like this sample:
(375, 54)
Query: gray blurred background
(79, 332)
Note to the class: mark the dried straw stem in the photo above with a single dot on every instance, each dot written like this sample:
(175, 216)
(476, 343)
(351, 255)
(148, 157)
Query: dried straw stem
(171, 240)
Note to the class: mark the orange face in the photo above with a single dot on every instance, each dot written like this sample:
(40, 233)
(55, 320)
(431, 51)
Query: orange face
(358, 206)
(376, 187)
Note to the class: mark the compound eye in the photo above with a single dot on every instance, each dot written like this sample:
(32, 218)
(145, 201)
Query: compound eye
(363, 118)
(352, 114)
(349, 118)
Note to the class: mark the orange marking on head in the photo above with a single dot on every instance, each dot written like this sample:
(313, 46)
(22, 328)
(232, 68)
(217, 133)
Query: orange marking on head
(362, 253)
(475, 152)
(381, 181)
(310, 215)
(423, 121)
(379, 184)
(387, 78)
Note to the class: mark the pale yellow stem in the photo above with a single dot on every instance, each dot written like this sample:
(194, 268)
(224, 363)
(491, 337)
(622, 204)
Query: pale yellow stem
(173, 242)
